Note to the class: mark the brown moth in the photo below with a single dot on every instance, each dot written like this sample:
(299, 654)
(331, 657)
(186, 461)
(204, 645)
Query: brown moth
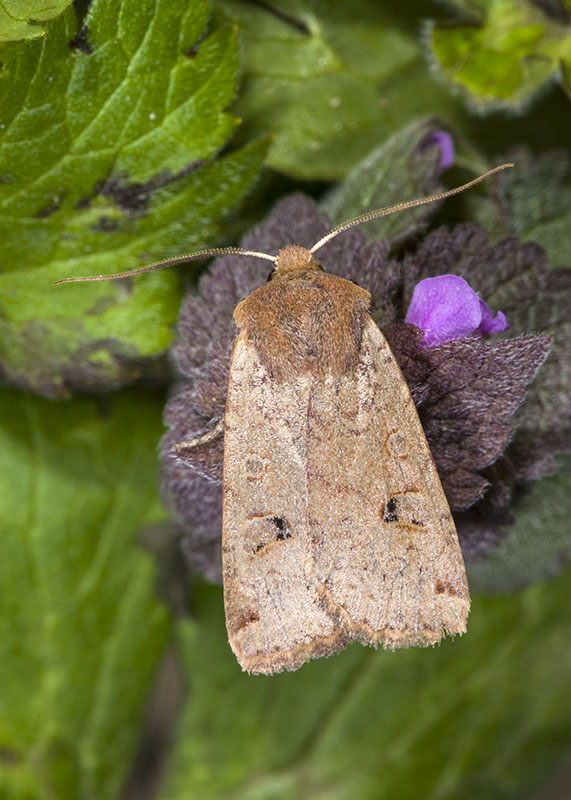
(335, 525)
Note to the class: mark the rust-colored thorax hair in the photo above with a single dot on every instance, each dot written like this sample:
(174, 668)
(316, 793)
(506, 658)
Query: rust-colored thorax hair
(304, 319)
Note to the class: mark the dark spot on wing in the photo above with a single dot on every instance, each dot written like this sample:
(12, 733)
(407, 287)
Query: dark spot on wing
(416, 522)
(282, 526)
(390, 514)
(265, 531)
(247, 616)
(445, 587)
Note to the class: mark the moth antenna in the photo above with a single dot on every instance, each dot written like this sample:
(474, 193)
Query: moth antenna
(171, 262)
(384, 212)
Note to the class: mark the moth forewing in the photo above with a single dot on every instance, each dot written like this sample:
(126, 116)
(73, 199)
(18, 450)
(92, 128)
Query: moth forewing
(386, 555)
(335, 524)
(274, 618)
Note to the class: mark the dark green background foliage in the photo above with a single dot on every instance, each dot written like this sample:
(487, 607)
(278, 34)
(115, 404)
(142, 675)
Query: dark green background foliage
(134, 130)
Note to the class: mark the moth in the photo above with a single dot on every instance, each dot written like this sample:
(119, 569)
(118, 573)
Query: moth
(335, 524)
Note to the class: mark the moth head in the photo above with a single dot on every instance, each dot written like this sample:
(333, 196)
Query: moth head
(293, 257)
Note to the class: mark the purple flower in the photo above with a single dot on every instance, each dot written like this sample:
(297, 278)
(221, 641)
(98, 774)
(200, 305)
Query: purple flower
(489, 323)
(444, 141)
(447, 308)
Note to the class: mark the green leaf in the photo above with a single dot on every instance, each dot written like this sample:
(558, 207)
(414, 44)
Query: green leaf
(81, 630)
(331, 80)
(105, 158)
(483, 716)
(21, 19)
(403, 168)
(505, 53)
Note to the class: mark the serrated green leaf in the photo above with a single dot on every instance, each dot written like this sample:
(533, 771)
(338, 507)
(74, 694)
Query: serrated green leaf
(81, 630)
(503, 56)
(484, 716)
(402, 168)
(104, 163)
(22, 19)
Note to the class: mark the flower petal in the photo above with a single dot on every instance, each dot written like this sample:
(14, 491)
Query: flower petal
(489, 323)
(444, 141)
(445, 308)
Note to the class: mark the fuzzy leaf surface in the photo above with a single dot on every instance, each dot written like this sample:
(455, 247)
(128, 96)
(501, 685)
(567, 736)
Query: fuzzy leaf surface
(531, 201)
(502, 53)
(404, 167)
